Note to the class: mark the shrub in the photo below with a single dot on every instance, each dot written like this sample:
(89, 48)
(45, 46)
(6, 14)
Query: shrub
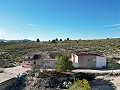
(80, 85)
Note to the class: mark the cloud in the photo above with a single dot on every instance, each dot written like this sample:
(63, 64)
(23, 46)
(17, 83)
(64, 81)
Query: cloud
(113, 25)
(28, 25)
(18, 27)
(3, 33)
(115, 29)
(31, 25)
(2, 30)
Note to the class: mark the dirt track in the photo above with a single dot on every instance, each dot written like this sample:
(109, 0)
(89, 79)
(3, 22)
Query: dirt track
(12, 72)
(96, 71)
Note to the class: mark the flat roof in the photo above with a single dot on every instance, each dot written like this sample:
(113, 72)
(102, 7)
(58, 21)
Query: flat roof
(87, 54)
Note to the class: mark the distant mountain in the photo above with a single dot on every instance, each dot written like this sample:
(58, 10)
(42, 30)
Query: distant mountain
(24, 40)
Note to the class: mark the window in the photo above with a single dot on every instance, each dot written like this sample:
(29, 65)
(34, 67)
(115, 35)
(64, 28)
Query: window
(34, 62)
(89, 60)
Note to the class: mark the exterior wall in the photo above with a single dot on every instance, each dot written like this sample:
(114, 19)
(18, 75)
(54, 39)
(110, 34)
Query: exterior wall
(73, 57)
(100, 61)
(49, 63)
(29, 63)
(40, 63)
(76, 59)
(76, 65)
(87, 61)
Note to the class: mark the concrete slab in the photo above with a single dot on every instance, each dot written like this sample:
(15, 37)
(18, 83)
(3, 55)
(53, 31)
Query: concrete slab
(12, 72)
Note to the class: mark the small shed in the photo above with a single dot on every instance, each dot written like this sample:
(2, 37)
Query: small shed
(88, 60)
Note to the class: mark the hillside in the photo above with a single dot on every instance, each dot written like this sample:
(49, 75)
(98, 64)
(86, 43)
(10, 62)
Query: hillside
(13, 51)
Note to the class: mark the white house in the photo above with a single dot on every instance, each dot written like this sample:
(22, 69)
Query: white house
(88, 60)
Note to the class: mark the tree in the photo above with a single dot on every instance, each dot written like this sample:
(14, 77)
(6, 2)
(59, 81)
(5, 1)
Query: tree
(56, 39)
(53, 41)
(18, 59)
(60, 39)
(80, 85)
(37, 40)
(34, 68)
(68, 39)
(113, 64)
(63, 64)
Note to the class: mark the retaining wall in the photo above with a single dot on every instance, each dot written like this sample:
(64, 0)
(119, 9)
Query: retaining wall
(8, 83)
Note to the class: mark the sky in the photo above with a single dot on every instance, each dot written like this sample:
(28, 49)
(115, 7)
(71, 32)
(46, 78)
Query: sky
(50, 19)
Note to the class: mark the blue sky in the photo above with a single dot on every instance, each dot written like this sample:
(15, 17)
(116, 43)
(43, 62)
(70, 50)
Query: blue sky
(50, 19)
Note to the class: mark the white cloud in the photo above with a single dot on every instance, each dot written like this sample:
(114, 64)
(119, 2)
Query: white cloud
(28, 25)
(31, 25)
(115, 29)
(18, 27)
(2, 31)
(113, 25)
(4, 34)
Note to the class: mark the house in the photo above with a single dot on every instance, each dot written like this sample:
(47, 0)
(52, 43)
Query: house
(88, 60)
(41, 59)
(31, 60)
(50, 63)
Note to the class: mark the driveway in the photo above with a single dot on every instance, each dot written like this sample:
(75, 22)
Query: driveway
(12, 72)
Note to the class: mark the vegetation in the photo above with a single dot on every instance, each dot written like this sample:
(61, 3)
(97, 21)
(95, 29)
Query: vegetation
(63, 64)
(80, 85)
(37, 40)
(113, 64)
(9, 51)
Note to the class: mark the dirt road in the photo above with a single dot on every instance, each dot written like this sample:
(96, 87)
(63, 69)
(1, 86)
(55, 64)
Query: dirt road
(96, 71)
(12, 72)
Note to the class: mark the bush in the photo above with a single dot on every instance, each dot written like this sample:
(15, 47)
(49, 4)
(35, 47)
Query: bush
(80, 85)
(63, 64)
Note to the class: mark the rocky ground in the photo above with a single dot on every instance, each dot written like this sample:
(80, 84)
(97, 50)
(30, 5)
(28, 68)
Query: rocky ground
(107, 82)
(37, 82)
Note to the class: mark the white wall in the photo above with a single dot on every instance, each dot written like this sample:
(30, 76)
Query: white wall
(76, 65)
(76, 59)
(49, 63)
(100, 61)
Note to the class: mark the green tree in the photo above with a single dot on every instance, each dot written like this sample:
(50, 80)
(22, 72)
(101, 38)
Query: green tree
(80, 85)
(18, 59)
(56, 39)
(37, 40)
(63, 64)
(60, 39)
(34, 68)
(68, 39)
(113, 64)
(53, 41)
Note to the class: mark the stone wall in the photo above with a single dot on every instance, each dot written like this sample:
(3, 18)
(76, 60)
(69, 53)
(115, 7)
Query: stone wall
(7, 83)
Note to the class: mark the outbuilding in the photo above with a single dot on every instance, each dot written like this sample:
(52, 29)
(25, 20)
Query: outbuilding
(88, 60)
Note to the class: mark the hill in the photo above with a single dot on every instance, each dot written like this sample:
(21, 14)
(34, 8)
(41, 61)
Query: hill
(13, 51)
